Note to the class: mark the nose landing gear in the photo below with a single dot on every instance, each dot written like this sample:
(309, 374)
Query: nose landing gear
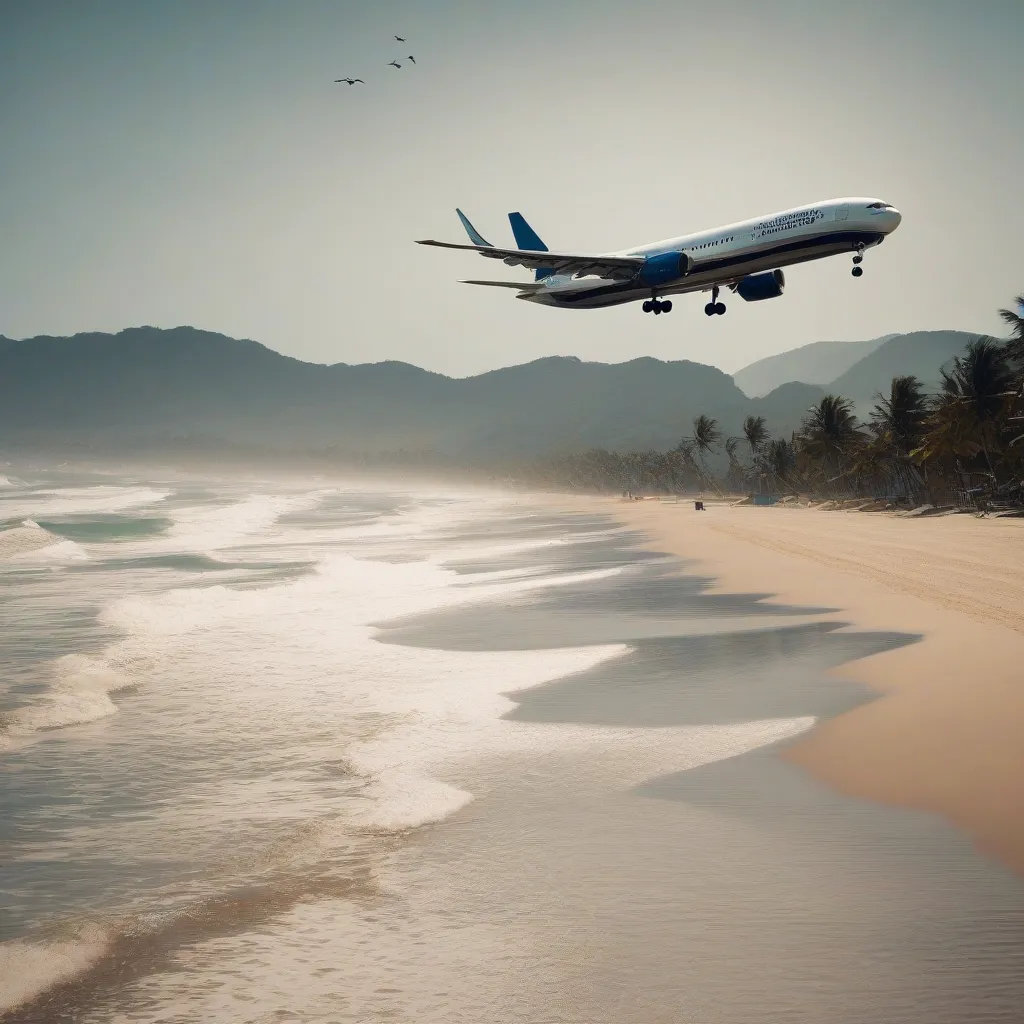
(714, 307)
(656, 306)
(858, 260)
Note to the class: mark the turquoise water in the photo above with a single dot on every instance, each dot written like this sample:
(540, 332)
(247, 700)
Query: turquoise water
(97, 529)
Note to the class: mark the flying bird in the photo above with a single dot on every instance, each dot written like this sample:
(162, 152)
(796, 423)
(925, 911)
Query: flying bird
(349, 81)
(412, 58)
(400, 39)
(394, 64)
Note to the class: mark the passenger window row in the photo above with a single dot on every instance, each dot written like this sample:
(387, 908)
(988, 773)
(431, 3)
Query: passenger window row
(717, 241)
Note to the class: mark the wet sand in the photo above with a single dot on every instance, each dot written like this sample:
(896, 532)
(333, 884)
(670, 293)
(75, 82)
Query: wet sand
(948, 734)
(663, 859)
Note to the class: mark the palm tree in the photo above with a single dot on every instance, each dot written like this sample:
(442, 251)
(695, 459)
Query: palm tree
(736, 473)
(756, 433)
(971, 410)
(779, 459)
(705, 436)
(1015, 319)
(829, 433)
(897, 426)
(949, 434)
(684, 464)
(898, 418)
(705, 433)
(1015, 350)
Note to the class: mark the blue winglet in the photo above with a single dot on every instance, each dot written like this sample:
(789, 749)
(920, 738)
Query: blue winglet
(527, 238)
(474, 236)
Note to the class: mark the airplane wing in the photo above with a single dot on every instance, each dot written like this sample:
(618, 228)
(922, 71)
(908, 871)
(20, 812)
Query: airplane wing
(615, 267)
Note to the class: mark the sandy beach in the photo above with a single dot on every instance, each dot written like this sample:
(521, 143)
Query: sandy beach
(947, 734)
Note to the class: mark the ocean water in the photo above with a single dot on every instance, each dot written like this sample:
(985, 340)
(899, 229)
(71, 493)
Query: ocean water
(305, 750)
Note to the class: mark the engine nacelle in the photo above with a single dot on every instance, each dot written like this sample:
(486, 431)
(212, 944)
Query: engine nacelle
(756, 287)
(665, 267)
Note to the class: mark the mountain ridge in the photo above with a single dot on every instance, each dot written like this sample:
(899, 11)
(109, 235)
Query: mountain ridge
(144, 383)
(816, 363)
(922, 354)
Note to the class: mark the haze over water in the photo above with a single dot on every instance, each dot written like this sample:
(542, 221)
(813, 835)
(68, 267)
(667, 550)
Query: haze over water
(277, 750)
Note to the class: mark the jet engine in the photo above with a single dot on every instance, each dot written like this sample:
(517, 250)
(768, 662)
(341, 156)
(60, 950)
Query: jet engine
(665, 267)
(756, 287)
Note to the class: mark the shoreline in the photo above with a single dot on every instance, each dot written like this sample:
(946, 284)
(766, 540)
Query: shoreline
(946, 734)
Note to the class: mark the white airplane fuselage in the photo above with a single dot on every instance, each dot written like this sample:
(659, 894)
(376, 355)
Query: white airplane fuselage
(723, 256)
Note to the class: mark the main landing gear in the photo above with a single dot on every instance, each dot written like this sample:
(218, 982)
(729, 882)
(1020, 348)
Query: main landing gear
(857, 261)
(657, 306)
(714, 307)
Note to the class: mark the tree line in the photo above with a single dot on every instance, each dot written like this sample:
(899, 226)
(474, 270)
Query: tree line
(965, 442)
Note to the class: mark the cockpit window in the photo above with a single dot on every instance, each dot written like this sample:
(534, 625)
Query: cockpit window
(878, 206)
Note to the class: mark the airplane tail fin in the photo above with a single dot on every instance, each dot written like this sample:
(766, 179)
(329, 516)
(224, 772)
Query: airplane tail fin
(474, 236)
(527, 238)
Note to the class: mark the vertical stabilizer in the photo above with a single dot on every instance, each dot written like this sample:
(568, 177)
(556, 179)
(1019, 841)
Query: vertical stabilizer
(527, 238)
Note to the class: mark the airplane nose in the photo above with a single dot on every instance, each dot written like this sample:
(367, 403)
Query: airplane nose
(894, 218)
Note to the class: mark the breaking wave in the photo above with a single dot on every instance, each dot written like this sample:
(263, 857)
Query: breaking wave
(27, 537)
(80, 693)
(27, 968)
(204, 529)
(81, 500)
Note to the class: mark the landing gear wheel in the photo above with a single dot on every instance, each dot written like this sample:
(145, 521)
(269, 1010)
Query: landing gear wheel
(666, 306)
(657, 308)
(858, 259)
(857, 271)
(714, 306)
(648, 306)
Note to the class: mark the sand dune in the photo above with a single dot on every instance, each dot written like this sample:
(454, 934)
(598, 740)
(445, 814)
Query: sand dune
(948, 734)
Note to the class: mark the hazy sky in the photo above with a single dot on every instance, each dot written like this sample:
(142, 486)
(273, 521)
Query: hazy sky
(183, 162)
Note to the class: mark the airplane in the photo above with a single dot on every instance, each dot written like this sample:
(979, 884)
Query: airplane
(747, 258)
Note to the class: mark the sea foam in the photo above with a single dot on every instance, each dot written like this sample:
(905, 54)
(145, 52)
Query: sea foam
(26, 538)
(79, 693)
(81, 501)
(29, 968)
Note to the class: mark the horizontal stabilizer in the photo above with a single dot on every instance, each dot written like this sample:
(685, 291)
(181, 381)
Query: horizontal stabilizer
(520, 286)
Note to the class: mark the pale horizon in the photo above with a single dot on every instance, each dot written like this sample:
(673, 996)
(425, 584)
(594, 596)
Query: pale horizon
(195, 164)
